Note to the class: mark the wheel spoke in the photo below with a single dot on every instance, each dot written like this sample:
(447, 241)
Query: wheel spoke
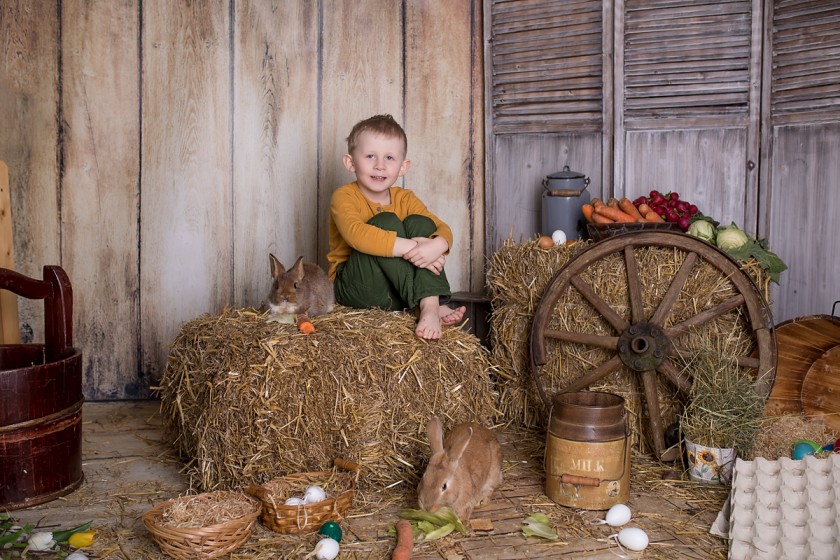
(608, 342)
(613, 318)
(654, 415)
(677, 377)
(676, 331)
(634, 285)
(674, 290)
(594, 375)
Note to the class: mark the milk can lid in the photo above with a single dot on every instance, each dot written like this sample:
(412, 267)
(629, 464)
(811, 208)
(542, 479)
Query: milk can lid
(566, 174)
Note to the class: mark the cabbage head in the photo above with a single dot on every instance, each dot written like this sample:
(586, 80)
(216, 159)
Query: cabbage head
(703, 229)
(731, 237)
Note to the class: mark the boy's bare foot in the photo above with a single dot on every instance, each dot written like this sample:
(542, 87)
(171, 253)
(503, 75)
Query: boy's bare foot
(432, 315)
(449, 316)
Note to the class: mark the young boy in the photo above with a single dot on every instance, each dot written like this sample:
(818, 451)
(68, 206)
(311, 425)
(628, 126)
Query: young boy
(387, 250)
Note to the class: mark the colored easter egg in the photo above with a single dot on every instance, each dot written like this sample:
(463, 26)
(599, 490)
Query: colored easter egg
(804, 447)
(331, 529)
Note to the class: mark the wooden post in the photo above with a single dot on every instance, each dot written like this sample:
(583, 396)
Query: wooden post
(9, 322)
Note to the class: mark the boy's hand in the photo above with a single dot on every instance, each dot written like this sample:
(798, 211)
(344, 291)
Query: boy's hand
(428, 253)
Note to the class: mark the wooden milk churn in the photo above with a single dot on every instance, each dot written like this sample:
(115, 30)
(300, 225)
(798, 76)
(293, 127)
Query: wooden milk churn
(562, 199)
(587, 453)
(41, 399)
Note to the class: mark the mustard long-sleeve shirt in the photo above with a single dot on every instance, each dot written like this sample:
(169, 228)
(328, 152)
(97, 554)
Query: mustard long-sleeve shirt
(350, 212)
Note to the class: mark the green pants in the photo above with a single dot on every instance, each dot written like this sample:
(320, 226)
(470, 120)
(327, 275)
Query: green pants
(389, 283)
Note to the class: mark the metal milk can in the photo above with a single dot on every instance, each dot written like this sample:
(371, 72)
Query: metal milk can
(564, 195)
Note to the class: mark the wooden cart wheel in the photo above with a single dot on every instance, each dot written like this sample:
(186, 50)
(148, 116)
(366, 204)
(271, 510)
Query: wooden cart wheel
(646, 344)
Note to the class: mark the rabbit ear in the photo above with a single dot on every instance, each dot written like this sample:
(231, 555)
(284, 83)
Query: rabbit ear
(297, 269)
(459, 443)
(435, 432)
(276, 267)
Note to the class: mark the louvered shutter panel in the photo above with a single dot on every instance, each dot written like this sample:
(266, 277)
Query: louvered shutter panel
(806, 59)
(546, 66)
(686, 59)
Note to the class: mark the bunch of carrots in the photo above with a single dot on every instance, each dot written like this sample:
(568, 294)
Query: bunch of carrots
(618, 211)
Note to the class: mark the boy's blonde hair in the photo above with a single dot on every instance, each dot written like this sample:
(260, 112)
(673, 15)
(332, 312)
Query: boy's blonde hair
(377, 124)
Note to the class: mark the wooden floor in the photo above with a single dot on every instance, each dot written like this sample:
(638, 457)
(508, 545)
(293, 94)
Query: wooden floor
(129, 468)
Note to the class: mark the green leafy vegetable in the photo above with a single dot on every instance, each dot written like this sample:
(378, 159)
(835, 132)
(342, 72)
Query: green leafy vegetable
(538, 525)
(731, 237)
(430, 526)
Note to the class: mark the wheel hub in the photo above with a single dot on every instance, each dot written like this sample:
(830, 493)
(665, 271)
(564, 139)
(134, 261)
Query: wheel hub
(643, 346)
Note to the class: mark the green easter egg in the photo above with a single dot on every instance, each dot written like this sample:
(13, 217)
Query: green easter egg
(331, 529)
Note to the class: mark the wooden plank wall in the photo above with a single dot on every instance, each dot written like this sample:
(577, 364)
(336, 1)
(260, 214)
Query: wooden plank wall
(158, 151)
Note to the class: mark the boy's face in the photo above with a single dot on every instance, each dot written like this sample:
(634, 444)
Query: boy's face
(378, 161)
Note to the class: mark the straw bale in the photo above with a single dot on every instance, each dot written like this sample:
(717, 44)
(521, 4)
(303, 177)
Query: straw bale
(517, 276)
(246, 400)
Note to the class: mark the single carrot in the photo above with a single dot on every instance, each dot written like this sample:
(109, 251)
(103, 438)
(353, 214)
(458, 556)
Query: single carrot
(597, 203)
(653, 217)
(627, 206)
(614, 214)
(405, 541)
(588, 209)
(644, 209)
(304, 324)
(599, 218)
(613, 203)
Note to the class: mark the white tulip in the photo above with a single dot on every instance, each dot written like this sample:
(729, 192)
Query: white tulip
(76, 556)
(40, 541)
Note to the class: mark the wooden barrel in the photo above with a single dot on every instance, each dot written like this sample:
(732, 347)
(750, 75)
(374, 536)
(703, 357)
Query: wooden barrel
(587, 453)
(41, 404)
(801, 342)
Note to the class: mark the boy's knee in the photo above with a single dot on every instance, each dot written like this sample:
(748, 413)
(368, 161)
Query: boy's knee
(419, 226)
(388, 221)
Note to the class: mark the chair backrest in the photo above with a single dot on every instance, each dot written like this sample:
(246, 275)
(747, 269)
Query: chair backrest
(57, 294)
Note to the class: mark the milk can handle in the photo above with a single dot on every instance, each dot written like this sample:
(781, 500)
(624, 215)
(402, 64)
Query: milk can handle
(579, 480)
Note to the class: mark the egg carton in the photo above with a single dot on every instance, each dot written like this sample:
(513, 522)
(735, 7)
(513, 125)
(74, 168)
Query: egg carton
(784, 509)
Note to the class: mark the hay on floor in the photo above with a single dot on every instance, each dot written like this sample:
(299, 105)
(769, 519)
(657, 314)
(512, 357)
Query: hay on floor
(248, 400)
(519, 273)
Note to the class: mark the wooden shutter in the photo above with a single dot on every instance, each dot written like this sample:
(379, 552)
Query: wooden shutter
(806, 60)
(546, 65)
(687, 59)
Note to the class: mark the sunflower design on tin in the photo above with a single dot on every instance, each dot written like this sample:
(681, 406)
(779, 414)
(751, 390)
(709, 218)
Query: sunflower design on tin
(708, 456)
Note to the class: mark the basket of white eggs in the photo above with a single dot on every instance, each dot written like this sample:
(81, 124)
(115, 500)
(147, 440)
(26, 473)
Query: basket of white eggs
(301, 503)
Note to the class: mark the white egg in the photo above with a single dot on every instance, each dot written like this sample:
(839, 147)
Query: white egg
(293, 501)
(326, 549)
(633, 538)
(559, 236)
(617, 515)
(314, 494)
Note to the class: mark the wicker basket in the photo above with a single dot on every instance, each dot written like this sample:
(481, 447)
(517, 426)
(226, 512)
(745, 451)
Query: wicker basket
(202, 542)
(597, 232)
(301, 519)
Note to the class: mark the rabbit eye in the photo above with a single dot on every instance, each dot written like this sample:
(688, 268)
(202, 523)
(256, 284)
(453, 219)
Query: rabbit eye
(443, 488)
(296, 285)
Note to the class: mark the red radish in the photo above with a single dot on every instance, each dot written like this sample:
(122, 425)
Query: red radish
(672, 217)
(684, 222)
(692, 209)
(658, 209)
(654, 193)
(674, 196)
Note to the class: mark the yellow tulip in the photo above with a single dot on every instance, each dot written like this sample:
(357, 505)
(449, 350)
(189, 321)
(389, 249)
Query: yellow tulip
(81, 539)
